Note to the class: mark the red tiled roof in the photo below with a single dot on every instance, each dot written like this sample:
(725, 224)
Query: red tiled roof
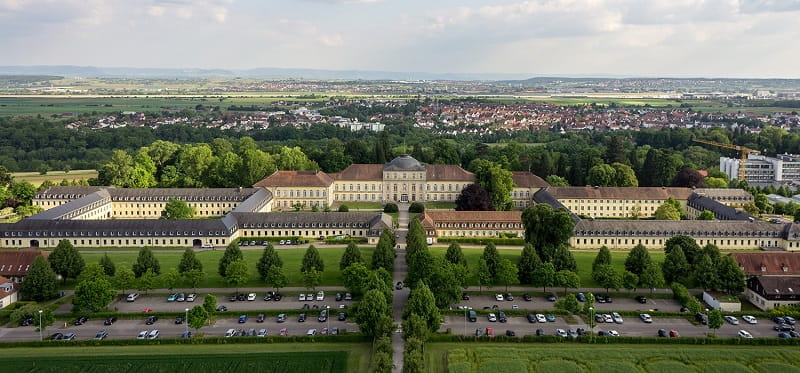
(360, 171)
(282, 178)
(630, 193)
(17, 262)
(525, 179)
(3, 292)
(447, 172)
(772, 263)
(428, 218)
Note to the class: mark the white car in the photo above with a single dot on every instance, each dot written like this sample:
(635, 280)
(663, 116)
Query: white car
(749, 319)
(302, 297)
(132, 297)
(498, 297)
(230, 333)
(207, 246)
(153, 334)
(190, 297)
(613, 333)
(492, 317)
(731, 320)
(540, 318)
(262, 333)
(251, 296)
(607, 318)
(142, 334)
(320, 295)
(617, 318)
(646, 318)
(745, 334)
(561, 333)
(311, 332)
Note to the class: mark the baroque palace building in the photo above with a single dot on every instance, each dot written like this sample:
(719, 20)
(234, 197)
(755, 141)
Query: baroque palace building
(115, 217)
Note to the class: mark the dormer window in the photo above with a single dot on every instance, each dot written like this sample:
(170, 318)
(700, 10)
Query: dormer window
(763, 268)
(784, 267)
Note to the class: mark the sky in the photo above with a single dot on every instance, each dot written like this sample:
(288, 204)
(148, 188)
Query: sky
(647, 38)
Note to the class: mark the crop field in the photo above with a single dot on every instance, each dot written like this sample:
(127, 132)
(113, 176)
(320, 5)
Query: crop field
(501, 358)
(292, 258)
(583, 259)
(326, 358)
(54, 176)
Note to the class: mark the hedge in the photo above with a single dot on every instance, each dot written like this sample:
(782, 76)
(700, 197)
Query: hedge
(619, 340)
(346, 240)
(483, 240)
(344, 338)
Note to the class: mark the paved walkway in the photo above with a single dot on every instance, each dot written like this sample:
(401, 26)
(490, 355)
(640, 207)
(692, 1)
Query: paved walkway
(400, 297)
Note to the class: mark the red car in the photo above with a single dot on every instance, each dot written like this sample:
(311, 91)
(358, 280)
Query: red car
(674, 334)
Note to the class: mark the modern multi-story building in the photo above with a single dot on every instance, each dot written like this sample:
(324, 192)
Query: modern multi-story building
(760, 169)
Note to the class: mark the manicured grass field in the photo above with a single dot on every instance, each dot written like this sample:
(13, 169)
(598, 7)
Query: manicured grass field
(54, 176)
(283, 357)
(584, 260)
(462, 358)
(292, 258)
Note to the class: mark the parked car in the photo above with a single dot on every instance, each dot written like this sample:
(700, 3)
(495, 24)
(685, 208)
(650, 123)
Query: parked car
(348, 296)
(645, 318)
(55, 337)
(498, 297)
(479, 332)
(581, 297)
(251, 297)
(509, 297)
(260, 318)
(510, 333)
(301, 297)
(674, 334)
(473, 316)
(581, 332)
(662, 333)
(283, 332)
(80, 320)
(549, 317)
(540, 318)
(702, 318)
(311, 332)
(783, 328)
(230, 333)
(641, 299)
(153, 334)
(607, 318)
(150, 320)
(142, 334)
(281, 317)
(277, 297)
(572, 333)
(172, 297)
(561, 333)
(262, 333)
(779, 320)
(489, 332)
(745, 334)
(599, 318)
(784, 335)
(552, 297)
(531, 318)
(539, 332)
(492, 317)
(527, 297)
(301, 318)
(501, 316)
(617, 318)
(789, 320)
(190, 297)
(398, 285)
(101, 335)
(28, 321)
(323, 316)
(309, 297)
(186, 335)
(178, 320)
(110, 320)
(342, 316)
(749, 319)
(181, 297)
(132, 297)
(731, 320)
(222, 308)
(612, 333)
(68, 337)
(320, 296)
(242, 319)
(241, 297)
(232, 298)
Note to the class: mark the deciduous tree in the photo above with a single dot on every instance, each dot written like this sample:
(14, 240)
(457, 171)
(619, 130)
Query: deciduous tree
(422, 302)
(198, 316)
(108, 266)
(40, 282)
(269, 259)
(311, 259)
(638, 259)
(189, 262)
(351, 255)
(232, 253)
(177, 209)
(236, 273)
(528, 262)
(474, 198)
(66, 261)
(146, 261)
(603, 257)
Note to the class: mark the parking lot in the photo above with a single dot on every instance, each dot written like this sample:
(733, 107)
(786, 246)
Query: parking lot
(487, 301)
(631, 327)
(288, 302)
(129, 329)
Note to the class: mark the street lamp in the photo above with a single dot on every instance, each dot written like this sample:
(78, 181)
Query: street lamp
(708, 325)
(186, 320)
(591, 320)
(41, 330)
(328, 312)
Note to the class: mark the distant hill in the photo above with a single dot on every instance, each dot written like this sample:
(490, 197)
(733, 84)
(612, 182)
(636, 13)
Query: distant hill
(70, 71)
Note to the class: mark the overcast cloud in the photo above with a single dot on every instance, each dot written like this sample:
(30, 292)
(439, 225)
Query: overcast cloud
(709, 38)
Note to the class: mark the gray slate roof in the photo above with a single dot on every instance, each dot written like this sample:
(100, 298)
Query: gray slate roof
(721, 211)
(669, 228)
(61, 211)
(97, 228)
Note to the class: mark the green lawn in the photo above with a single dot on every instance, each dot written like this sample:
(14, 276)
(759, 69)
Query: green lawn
(584, 260)
(278, 357)
(440, 205)
(291, 263)
(497, 357)
(356, 206)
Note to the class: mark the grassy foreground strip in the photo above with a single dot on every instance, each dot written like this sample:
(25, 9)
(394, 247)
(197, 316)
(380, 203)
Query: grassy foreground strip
(503, 357)
(280, 357)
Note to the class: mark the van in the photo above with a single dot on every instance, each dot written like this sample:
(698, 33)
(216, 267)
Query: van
(473, 316)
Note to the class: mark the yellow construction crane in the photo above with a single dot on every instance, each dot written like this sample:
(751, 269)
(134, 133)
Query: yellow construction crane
(743, 153)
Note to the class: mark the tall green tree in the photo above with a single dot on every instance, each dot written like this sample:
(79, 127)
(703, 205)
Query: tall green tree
(354, 278)
(108, 265)
(638, 259)
(496, 180)
(606, 276)
(189, 262)
(624, 176)
(715, 320)
(445, 282)
(706, 215)
(236, 273)
(146, 261)
(269, 260)
(652, 277)
(170, 278)
(689, 246)
(66, 261)
(124, 279)
(567, 279)
(528, 262)
(492, 258)
(276, 278)
(455, 255)
(40, 282)
(675, 268)
(351, 255)
(546, 227)
(370, 312)
(93, 292)
(482, 275)
(422, 302)
(312, 259)
(601, 175)
(177, 209)
(210, 303)
(193, 278)
(603, 257)
(563, 259)
(232, 253)
(147, 281)
(730, 275)
(666, 212)
(198, 316)
(544, 276)
(383, 256)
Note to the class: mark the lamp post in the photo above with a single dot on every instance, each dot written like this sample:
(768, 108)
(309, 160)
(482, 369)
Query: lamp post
(465, 320)
(708, 327)
(41, 327)
(186, 320)
(591, 321)
(328, 312)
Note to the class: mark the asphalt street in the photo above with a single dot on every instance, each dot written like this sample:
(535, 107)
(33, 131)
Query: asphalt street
(488, 300)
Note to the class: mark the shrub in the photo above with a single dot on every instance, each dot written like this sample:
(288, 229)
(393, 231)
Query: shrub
(416, 207)
(390, 208)
(344, 208)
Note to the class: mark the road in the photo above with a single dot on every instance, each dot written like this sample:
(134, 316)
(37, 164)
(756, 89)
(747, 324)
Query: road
(400, 297)
(488, 300)
(160, 304)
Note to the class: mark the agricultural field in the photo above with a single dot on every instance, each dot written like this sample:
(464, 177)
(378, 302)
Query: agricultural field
(583, 259)
(463, 358)
(325, 357)
(37, 179)
(292, 258)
